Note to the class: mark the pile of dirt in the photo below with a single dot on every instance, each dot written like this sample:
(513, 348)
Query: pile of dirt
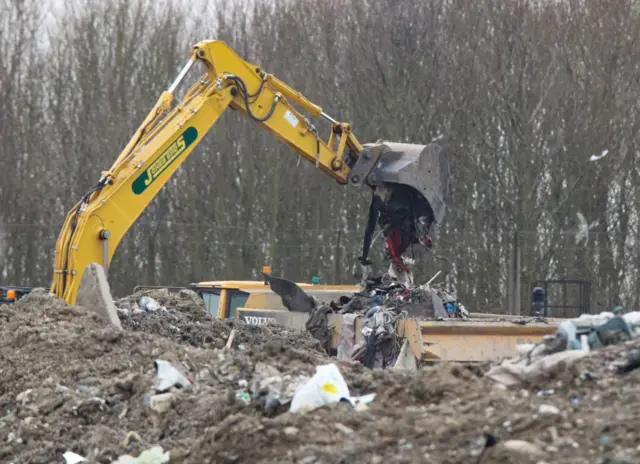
(184, 318)
(70, 383)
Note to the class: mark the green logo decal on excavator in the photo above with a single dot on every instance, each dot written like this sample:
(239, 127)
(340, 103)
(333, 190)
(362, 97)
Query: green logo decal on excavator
(162, 162)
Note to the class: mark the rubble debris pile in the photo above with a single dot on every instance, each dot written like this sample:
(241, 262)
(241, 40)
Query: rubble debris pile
(182, 317)
(427, 301)
(383, 302)
(73, 388)
(556, 355)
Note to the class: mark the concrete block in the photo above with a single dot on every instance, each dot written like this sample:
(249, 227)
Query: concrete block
(95, 295)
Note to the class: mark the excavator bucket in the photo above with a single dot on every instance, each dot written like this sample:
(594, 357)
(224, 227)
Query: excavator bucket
(424, 169)
(415, 177)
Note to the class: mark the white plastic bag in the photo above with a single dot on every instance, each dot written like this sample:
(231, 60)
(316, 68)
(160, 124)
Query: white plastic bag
(149, 304)
(327, 386)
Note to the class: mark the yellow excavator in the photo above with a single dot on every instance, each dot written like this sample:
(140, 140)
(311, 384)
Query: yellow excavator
(408, 182)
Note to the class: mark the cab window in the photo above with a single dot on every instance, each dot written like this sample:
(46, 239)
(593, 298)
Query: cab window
(211, 302)
(236, 300)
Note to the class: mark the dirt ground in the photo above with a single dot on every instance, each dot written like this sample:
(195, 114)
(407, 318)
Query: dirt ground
(71, 384)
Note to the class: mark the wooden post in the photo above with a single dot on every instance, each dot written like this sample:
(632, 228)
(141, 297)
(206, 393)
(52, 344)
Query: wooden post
(510, 281)
(514, 288)
(517, 290)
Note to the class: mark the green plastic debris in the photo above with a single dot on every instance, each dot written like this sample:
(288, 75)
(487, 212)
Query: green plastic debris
(315, 280)
(243, 396)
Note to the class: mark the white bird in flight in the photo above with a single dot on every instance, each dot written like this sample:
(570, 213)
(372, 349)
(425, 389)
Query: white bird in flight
(583, 229)
(600, 156)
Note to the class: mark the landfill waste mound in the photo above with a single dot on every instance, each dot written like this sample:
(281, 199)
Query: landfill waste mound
(182, 316)
(72, 386)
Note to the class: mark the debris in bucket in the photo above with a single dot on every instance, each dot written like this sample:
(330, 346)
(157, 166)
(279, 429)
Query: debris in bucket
(428, 301)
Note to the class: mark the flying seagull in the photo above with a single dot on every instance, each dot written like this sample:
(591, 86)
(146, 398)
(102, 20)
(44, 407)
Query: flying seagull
(600, 156)
(583, 229)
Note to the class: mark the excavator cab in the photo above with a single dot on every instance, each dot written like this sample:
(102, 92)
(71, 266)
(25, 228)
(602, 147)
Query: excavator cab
(409, 186)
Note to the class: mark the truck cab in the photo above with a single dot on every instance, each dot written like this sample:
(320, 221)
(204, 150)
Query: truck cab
(224, 298)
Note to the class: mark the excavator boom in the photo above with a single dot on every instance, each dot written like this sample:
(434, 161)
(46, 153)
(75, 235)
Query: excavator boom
(96, 224)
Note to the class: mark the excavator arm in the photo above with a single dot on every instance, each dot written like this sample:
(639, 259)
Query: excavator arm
(96, 224)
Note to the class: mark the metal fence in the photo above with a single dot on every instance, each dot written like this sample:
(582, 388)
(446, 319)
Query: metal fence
(564, 298)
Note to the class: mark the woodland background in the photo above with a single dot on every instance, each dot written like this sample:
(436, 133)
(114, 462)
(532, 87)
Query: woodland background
(521, 93)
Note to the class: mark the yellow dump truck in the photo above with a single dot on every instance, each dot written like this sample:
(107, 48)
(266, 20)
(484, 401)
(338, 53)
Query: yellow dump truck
(483, 337)
(234, 299)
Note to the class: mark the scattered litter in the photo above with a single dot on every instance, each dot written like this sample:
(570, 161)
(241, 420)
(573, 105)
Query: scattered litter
(232, 335)
(131, 437)
(523, 448)
(243, 397)
(155, 455)
(169, 376)
(72, 458)
(148, 304)
(519, 372)
(161, 403)
(587, 375)
(548, 410)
